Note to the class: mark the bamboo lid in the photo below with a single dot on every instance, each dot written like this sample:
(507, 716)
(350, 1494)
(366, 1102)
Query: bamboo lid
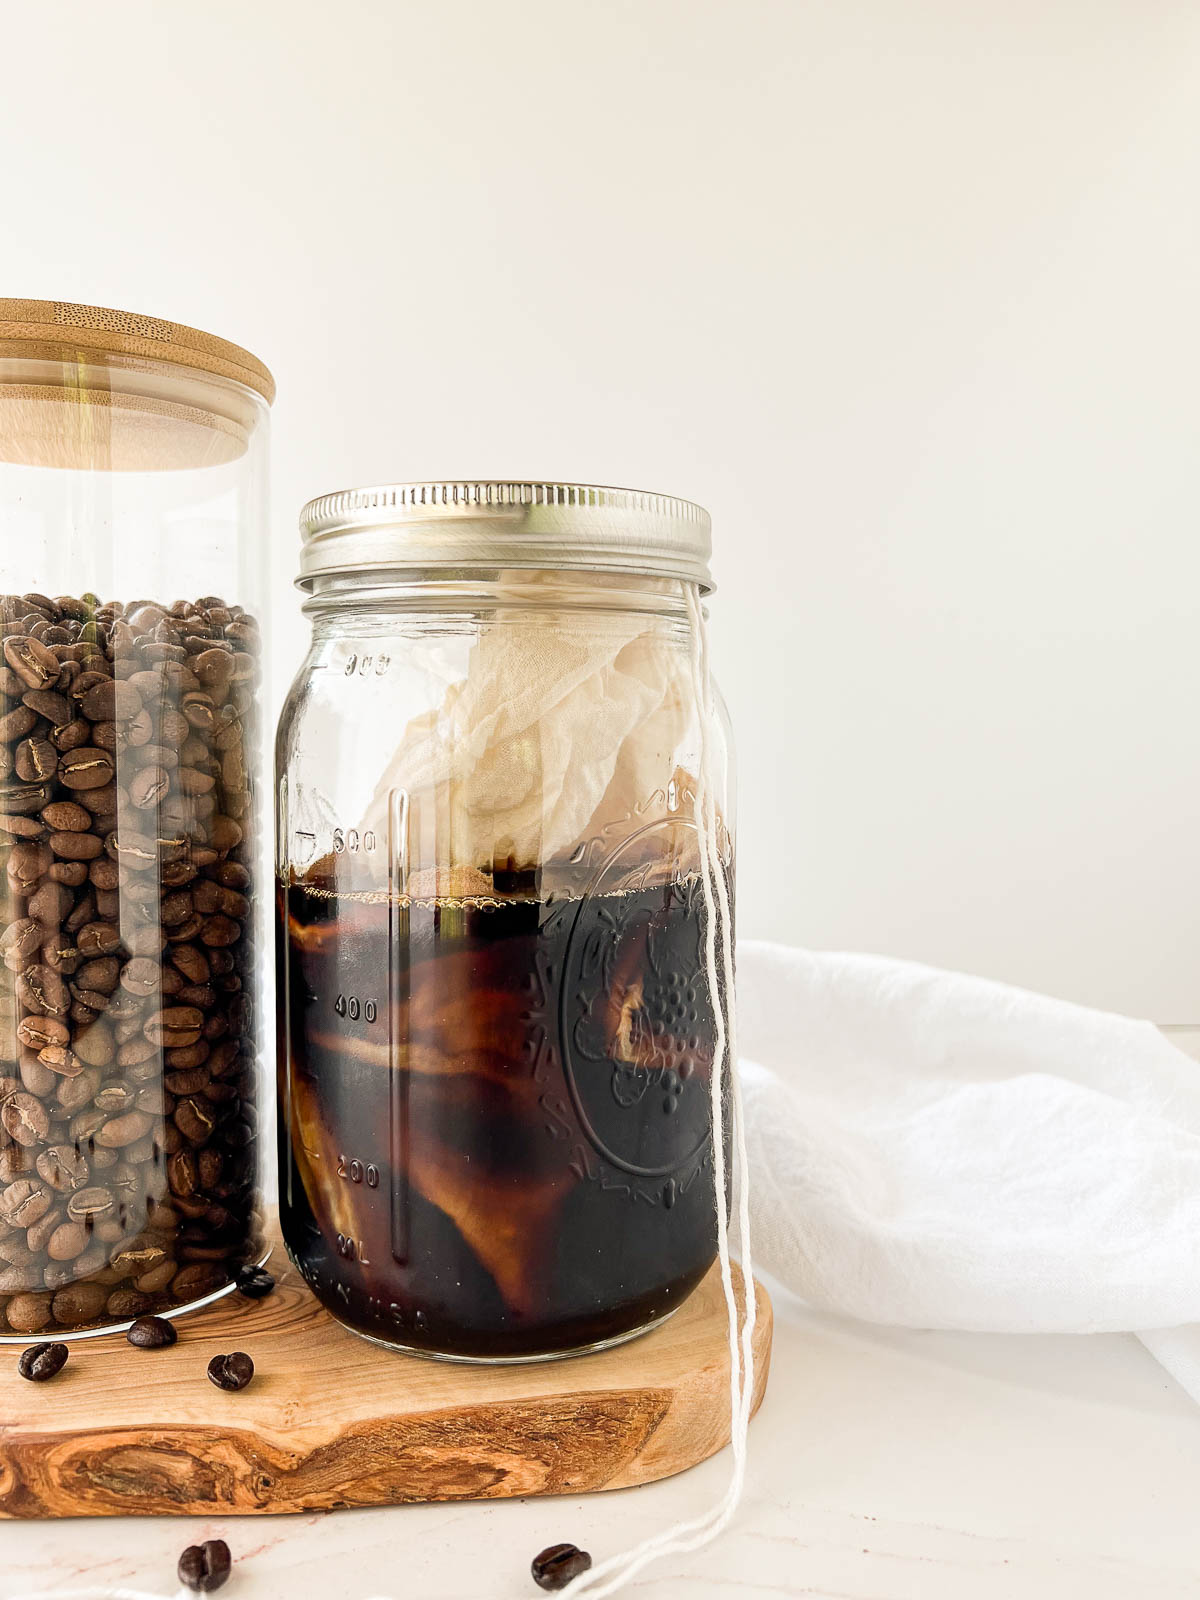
(75, 328)
(83, 387)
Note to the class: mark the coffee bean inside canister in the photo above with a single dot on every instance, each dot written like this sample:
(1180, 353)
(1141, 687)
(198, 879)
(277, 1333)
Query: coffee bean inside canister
(123, 734)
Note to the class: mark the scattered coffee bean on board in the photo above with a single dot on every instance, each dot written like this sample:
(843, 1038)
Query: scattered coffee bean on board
(554, 1567)
(254, 1282)
(42, 1361)
(152, 1333)
(232, 1371)
(205, 1567)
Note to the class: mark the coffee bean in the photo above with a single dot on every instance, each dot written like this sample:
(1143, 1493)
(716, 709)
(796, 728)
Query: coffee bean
(51, 904)
(184, 1083)
(39, 1080)
(43, 992)
(69, 1240)
(115, 1098)
(149, 786)
(138, 852)
(47, 704)
(192, 1055)
(220, 931)
(209, 896)
(83, 913)
(205, 1567)
(24, 1118)
(231, 1372)
(194, 1119)
(27, 862)
(200, 1279)
(555, 1567)
(94, 1045)
(98, 939)
(139, 730)
(140, 975)
(210, 1165)
(26, 1312)
(182, 1174)
(66, 816)
(61, 1060)
(71, 735)
(72, 873)
(123, 1303)
(37, 1032)
(42, 1361)
(74, 846)
(102, 803)
(74, 1093)
(62, 1167)
(99, 974)
(86, 767)
(25, 1201)
(19, 942)
(38, 1236)
(94, 1203)
(139, 1255)
(15, 724)
(32, 662)
(111, 701)
(77, 1304)
(157, 1280)
(152, 1333)
(175, 1026)
(124, 1130)
(254, 1282)
(138, 1052)
(19, 827)
(35, 760)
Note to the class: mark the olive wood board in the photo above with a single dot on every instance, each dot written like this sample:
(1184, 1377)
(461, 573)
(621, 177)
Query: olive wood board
(331, 1420)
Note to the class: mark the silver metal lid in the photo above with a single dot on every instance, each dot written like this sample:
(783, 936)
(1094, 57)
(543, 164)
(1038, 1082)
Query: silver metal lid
(495, 523)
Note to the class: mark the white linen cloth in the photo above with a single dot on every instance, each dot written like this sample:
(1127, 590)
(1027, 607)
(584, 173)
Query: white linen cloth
(939, 1151)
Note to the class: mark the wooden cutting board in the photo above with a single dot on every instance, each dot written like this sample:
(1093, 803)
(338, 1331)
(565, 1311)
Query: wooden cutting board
(331, 1420)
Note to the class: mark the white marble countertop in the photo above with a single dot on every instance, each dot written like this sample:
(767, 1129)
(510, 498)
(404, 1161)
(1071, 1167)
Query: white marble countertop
(885, 1465)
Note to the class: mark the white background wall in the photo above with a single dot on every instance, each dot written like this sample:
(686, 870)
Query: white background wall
(905, 293)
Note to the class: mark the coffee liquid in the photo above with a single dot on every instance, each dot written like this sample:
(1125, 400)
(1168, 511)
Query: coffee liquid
(495, 1113)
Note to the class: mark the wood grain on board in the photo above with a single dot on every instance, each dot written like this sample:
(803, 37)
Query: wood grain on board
(331, 1420)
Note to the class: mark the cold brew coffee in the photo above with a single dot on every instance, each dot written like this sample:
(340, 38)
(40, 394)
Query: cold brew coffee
(495, 1110)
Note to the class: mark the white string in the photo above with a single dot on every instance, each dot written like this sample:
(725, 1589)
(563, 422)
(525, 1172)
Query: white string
(612, 1574)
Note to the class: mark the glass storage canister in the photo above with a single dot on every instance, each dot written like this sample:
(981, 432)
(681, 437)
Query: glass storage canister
(497, 1036)
(132, 502)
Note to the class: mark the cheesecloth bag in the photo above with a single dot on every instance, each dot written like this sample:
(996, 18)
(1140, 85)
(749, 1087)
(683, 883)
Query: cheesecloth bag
(555, 736)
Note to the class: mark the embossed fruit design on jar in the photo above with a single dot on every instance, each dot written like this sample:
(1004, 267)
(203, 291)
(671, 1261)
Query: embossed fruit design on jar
(496, 1033)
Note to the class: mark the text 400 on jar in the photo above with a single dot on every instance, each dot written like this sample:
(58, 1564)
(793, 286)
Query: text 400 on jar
(349, 1005)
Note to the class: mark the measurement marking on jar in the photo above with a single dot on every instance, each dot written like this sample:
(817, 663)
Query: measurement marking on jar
(349, 1005)
(366, 666)
(351, 841)
(352, 1249)
(358, 1171)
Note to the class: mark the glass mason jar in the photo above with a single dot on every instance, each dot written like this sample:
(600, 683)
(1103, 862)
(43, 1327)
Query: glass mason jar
(496, 1032)
(132, 501)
